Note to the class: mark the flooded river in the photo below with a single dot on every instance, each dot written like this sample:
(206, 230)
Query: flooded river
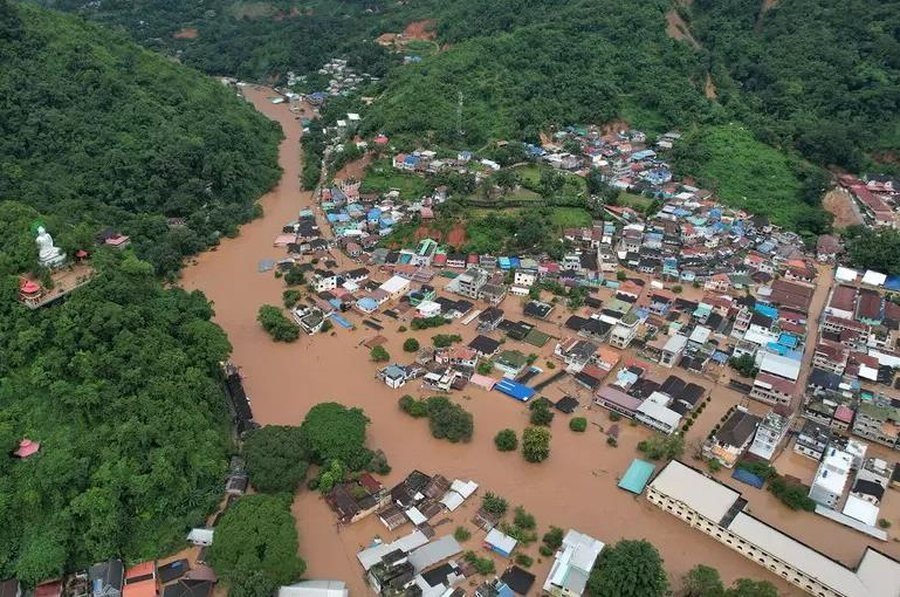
(575, 488)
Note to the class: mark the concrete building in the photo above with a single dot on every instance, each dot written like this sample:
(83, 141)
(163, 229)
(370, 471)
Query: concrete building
(831, 477)
(624, 331)
(570, 571)
(718, 511)
(654, 412)
(812, 440)
(879, 421)
(524, 278)
(395, 287)
(772, 430)
(672, 351)
(773, 390)
(470, 283)
(735, 435)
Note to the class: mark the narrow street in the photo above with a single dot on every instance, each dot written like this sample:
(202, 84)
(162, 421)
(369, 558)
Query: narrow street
(816, 309)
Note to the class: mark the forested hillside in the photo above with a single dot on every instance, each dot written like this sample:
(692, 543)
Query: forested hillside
(119, 385)
(820, 75)
(253, 40)
(120, 382)
(95, 130)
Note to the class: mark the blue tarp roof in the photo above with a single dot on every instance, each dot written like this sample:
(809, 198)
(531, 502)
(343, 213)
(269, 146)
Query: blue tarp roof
(745, 476)
(892, 283)
(367, 303)
(720, 357)
(514, 390)
(789, 340)
(637, 476)
(514, 262)
(766, 310)
(776, 348)
(341, 321)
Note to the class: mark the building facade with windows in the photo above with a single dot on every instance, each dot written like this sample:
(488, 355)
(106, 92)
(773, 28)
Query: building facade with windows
(718, 511)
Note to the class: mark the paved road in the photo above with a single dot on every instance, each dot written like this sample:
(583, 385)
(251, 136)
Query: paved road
(820, 297)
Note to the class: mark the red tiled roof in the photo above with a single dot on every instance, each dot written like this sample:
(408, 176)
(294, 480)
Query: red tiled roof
(832, 350)
(843, 413)
(144, 588)
(843, 298)
(869, 305)
(147, 568)
(370, 483)
(778, 384)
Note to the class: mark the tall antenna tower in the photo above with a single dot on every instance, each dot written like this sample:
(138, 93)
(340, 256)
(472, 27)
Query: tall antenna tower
(459, 109)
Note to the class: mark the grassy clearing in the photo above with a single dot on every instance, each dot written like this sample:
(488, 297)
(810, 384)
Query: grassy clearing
(381, 177)
(530, 174)
(637, 202)
(746, 173)
(570, 217)
(423, 47)
(252, 10)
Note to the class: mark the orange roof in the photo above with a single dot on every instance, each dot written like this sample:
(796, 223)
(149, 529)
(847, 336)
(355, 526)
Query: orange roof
(630, 287)
(143, 569)
(144, 588)
(608, 354)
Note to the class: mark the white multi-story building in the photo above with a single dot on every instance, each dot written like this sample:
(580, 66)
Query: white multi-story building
(770, 434)
(831, 477)
(718, 511)
(570, 571)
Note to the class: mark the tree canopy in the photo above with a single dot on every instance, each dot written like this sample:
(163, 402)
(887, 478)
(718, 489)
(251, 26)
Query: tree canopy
(275, 458)
(120, 384)
(629, 568)
(448, 420)
(871, 249)
(331, 431)
(255, 550)
(98, 132)
(536, 444)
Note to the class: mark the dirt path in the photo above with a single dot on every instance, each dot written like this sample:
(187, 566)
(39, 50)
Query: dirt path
(709, 88)
(575, 488)
(355, 169)
(423, 30)
(839, 202)
(817, 305)
(677, 29)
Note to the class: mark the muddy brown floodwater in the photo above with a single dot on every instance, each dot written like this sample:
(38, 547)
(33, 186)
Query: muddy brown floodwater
(575, 487)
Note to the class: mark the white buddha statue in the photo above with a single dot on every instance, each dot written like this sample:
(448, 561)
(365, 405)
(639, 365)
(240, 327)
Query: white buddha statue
(48, 254)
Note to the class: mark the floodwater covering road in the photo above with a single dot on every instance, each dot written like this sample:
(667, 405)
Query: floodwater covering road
(575, 487)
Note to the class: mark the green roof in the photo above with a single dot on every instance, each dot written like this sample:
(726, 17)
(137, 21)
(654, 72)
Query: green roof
(512, 358)
(637, 476)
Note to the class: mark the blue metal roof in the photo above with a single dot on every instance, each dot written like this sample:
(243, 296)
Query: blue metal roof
(766, 310)
(745, 476)
(513, 389)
